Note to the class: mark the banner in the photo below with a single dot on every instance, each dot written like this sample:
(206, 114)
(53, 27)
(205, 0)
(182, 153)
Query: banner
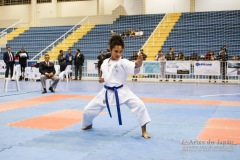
(207, 68)
(2, 66)
(150, 67)
(92, 67)
(233, 68)
(177, 67)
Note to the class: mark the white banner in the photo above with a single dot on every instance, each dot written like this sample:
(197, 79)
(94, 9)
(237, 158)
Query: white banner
(233, 68)
(2, 66)
(177, 67)
(207, 68)
(92, 67)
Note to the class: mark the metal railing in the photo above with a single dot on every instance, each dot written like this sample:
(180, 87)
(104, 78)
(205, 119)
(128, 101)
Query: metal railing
(3, 34)
(63, 37)
(152, 35)
(18, 22)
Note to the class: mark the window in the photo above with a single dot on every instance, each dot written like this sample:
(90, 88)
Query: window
(44, 1)
(14, 2)
(70, 0)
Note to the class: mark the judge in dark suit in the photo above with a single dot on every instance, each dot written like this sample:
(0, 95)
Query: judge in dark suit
(47, 70)
(23, 56)
(78, 62)
(8, 58)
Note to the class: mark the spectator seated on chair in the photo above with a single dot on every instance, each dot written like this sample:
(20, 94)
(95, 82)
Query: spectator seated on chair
(48, 71)
(113, 33)
(235, 58)
(139, 33)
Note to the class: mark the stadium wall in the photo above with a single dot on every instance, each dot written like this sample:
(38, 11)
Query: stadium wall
(216, 5)
(106, 7)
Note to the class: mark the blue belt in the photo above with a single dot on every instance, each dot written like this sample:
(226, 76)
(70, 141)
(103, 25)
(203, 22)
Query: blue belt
(117, 101)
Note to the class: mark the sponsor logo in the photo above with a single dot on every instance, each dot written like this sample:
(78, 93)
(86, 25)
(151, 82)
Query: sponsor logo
(203, 64)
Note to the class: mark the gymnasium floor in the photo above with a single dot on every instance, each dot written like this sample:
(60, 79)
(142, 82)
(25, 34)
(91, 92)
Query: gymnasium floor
(185, 117)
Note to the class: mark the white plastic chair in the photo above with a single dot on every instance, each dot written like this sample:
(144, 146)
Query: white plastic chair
(16, 75)
(57, 69)
(16, 72)
(67, 72)
(28, 73)
(36, 75)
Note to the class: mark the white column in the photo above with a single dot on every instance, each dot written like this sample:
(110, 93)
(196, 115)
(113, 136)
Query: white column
(54, 8)
(134, 6)
(192, 5)
(33, 12)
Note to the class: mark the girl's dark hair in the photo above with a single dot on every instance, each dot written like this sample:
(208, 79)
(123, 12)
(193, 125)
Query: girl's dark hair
(116, 40)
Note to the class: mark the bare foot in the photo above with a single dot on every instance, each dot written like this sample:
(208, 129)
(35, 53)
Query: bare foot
(146, 135)
(144, 132)
(88, 127)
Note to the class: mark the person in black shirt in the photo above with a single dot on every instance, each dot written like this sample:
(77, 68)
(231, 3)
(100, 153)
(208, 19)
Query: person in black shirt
(223, 58)
(8, 58)
(108, 55)
(61, 61)
(100, 59)
(143, 54)
(78, 62)
(23, 56)
(134, 56)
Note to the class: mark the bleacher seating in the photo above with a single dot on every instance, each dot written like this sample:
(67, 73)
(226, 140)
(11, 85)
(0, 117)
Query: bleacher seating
(97, 38)
(193, 33)
(36, 39)
(203, 31)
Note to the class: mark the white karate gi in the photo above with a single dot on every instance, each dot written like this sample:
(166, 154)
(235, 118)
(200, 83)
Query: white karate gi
(115, 73)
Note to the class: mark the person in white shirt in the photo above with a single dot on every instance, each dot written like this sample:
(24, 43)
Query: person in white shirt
(161, 58)
(139, 33)
(115, 92)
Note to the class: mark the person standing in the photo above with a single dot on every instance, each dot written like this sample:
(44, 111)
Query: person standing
(8, 58)
(170, 56)
(180, 57)
(114, 76)
(61, 61)
(100, 59)
(160, 57)
(108, 55)
(22, 55)
(133, 58)
(69, 59)
(210, 57)
(48, 71)
(223, 57)
(78, 62)
(143, 54)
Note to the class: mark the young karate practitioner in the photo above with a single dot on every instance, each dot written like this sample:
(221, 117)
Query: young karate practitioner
(114, 75)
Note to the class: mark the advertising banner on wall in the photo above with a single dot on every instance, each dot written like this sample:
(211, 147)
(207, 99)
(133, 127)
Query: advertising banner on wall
(207, 68)
(151, 67)
(233, 68)
(177, 67)
(92, 67)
